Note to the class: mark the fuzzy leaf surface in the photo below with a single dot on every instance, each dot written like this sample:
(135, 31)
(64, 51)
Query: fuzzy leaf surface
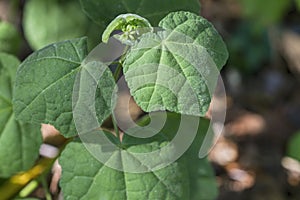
(202, 181)
(176, 69)
(84, 177)
(45, 83)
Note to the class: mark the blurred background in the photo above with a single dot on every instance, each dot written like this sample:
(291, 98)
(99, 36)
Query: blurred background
(258, 155)
(257, 158)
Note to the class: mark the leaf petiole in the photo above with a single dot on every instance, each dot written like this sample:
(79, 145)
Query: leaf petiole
(118, 71)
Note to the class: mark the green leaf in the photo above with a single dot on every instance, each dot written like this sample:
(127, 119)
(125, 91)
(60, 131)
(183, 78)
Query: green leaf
(256, 10)
(200, 31)
(298, 4)
(19, 142)
(103, 12)
(9, 38)
(293, 146)
(45, 82)
(168, 125)
(176, 69)
(50, 21)
(248, 48)
(84, 177)
(202, 180)
(19, 146)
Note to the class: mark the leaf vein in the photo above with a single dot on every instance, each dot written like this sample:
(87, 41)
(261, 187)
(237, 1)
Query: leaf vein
(48, 87)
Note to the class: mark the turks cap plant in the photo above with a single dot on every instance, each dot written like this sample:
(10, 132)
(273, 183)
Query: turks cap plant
(59, 85)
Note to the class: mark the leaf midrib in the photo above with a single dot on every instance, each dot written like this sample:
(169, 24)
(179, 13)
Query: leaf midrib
(50, 58)
(103, 166)
(155, 175)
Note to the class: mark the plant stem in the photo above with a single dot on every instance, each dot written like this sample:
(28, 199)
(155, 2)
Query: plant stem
(118, 71)
(45, 187)
(120, 64)
(116, 128)
(19, 181)
(15, 183)
(116, 76)
(29, 188)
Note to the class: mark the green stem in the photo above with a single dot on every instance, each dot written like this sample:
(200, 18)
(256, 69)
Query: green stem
(116, 76)
(118, 71)
(116, 128)
(120, 64)
(29, 188)
(45, 187)
(14, 184)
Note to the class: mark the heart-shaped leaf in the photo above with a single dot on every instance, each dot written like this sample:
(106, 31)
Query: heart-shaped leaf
(176, 69)
(85, 177)
(45, 83)
(202, 180)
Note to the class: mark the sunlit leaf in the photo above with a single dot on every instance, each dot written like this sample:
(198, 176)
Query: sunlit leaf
(176, 69)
